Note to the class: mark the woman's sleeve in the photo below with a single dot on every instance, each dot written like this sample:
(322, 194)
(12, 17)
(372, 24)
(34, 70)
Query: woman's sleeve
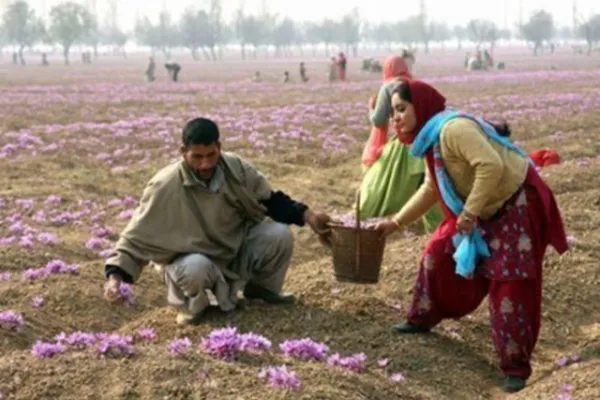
(380, 115)
(420, 202)
(462, 138)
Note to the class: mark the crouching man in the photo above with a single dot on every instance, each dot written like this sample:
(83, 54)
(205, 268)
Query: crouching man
(202, 219)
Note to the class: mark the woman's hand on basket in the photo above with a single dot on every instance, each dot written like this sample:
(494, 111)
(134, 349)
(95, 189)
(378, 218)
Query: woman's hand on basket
(387, 227)
(318, 222)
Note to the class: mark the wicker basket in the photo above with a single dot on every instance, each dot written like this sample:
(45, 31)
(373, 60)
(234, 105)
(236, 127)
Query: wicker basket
(357, 252)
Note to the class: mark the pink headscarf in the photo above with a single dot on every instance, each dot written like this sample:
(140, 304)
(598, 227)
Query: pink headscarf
(395, 67)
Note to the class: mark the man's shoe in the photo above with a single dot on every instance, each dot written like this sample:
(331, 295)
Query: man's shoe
(253, 292)
(184, 318)
(407, 328)
(513, 384)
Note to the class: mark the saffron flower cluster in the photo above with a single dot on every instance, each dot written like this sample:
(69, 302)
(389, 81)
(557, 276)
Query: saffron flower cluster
(105, 344)
(226, 342)
(37, 301)
(280, 377)
(54, 267)
(304, 349)
(254, 343)
(12, 321)
(354, 363)
(78, 340)
(46, 350)
(126, 291)
(566, 360)
(146, 334)
(115, 345)
(179, 346)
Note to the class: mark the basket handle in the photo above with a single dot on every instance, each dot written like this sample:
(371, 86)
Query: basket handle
(357, 234)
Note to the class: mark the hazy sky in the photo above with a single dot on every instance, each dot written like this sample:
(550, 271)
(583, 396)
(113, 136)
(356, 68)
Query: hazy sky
(451, 11)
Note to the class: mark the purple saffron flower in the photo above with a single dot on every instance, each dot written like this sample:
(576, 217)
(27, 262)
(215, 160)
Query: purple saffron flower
(102, 231)
(26, 242)
(384, 362)
(562, 361)
(105, 253)
(79, 340)
(7, 241)
(102, 335)
(25, 203)
(97, 243)
(146, 333)
(71, 269)
(127, 214)
(129, 201)
(47, 350)
(355, 363)
(572, 239)
(37, 301)
(280, 377)
(127, 294)
(222, 343)
(252, 342)
(32, 274)
(17, 227)
(116, 345)
(5, 276)
(60, 267)
(115, 203)
(53, 200)
(47, 238)
(179, 346)
(567, 388)
(304, 349)
(564, 396)
(397, 377)
(55, 266)
(12, 320)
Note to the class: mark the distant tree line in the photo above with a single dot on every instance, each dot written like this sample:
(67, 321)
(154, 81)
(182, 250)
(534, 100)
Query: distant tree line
(204, 32)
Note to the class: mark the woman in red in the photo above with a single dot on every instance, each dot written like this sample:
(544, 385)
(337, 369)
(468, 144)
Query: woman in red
(499, 218)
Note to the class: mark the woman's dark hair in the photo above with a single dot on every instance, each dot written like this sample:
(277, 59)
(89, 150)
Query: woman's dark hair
(403, 90)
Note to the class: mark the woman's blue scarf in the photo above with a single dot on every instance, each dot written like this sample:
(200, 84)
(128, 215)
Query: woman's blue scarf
(469, 248)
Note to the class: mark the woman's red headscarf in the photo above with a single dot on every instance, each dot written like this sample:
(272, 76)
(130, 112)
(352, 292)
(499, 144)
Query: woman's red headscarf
(427, 102)
(394, 67)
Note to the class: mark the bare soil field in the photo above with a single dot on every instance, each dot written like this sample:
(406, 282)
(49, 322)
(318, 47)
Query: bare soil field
(78, 144)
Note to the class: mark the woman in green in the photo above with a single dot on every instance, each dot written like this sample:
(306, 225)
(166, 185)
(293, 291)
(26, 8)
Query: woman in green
(390, 174)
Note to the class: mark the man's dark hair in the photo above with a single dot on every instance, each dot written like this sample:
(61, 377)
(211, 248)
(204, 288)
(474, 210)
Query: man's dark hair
(200, 131)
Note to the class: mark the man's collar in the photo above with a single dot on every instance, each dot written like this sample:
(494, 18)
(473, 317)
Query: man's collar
(189, 179)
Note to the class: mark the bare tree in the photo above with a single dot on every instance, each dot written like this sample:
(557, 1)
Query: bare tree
(539, 29)
(21, 26)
